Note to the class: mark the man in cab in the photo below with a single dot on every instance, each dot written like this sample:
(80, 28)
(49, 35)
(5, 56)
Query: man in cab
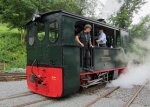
(84, 40)
(102, 39)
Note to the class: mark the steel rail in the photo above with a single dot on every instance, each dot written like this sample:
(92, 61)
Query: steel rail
(102, 96)
(131, 99)
(16, 96)
(29, 103)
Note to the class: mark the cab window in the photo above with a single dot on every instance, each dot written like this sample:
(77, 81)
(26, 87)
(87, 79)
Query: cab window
(53, 31)
(41, 31)
(31, 34)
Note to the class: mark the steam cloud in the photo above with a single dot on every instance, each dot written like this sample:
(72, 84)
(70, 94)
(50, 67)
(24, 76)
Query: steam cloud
(138, 68)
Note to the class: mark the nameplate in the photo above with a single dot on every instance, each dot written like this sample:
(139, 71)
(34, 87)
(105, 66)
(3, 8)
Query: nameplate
(106, 52)
(105, 58)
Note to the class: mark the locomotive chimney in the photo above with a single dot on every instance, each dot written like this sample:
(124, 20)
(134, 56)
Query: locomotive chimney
(102, 20)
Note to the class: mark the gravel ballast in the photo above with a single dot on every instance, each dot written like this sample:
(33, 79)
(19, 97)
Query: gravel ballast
(117, 99)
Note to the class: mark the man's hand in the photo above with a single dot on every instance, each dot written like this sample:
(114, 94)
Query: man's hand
(91, 46)
(82, 45)
(97, 41)
(78, 41)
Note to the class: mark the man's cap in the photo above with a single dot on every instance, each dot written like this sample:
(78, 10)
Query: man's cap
(87, 26)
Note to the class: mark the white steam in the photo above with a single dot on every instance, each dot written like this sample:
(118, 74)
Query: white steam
(138, 69)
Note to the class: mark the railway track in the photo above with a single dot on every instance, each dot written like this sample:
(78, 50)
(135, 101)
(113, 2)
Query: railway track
(91, 90)
(23, 95)
(17, 96)
(110, 91)
(5, 76)
(102, 96)
(132, 98)
(32, 102)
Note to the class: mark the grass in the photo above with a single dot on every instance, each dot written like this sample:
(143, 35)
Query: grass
(4, 28)
(12, 51)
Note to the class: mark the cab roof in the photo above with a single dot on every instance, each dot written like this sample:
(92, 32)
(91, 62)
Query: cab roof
(77, 17)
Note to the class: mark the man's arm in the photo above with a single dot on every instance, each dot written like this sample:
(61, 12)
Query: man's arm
(91, 44)
(101, 38)
(78, 41)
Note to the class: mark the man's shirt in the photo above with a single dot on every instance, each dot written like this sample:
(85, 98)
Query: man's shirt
(102, 38)
(84, 37)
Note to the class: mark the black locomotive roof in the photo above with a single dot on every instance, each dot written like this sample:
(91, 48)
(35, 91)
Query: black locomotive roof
(76, 16)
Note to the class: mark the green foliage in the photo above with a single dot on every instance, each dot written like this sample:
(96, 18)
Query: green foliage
(123, 18)
(16, 12)
(142, 29)
(12, 52)
(140, 39)
(89, 7)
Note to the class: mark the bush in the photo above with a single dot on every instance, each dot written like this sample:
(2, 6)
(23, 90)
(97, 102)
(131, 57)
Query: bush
(12, 51)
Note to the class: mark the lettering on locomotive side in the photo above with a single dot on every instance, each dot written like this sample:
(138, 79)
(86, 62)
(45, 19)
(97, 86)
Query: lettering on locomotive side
(106, 52)
(105, 58)
(53, 78)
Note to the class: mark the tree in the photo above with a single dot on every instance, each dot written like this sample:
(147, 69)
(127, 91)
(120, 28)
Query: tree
(123, 18)
(17, 12)
(142, 29)
(139, 45)
(14, 13)
(90, 8)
